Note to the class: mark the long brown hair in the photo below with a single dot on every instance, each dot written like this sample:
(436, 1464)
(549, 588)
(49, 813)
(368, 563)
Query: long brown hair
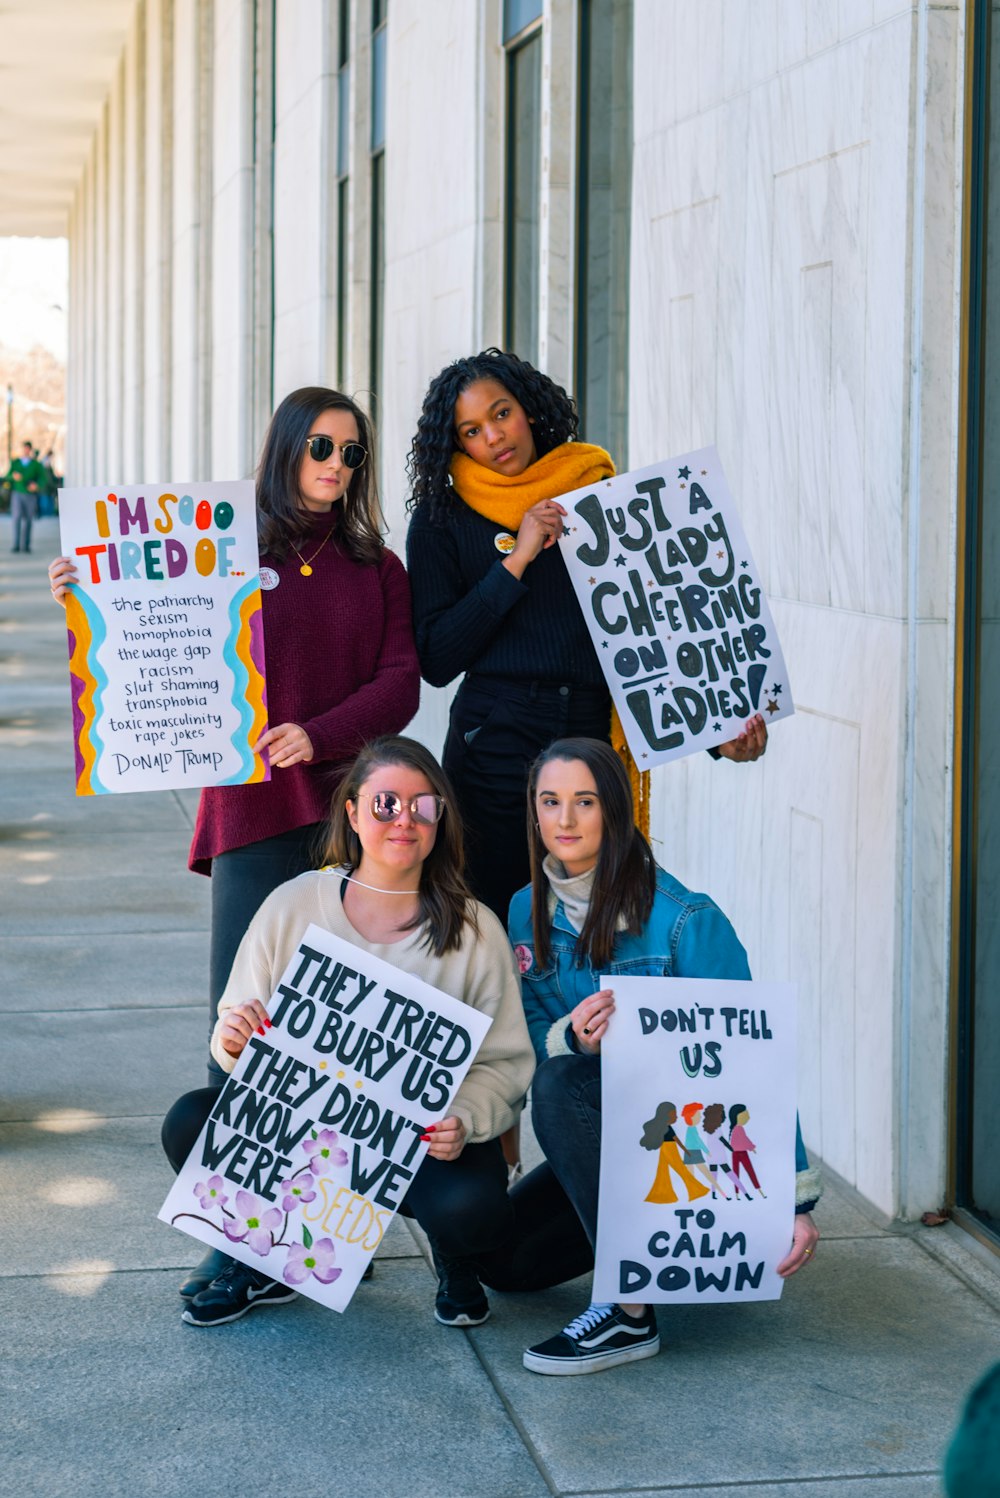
(625, 877)
(281, 520)
(445, 905)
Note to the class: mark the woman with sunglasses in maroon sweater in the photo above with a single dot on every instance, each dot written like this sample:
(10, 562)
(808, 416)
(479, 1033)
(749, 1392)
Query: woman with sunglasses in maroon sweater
(340, 662)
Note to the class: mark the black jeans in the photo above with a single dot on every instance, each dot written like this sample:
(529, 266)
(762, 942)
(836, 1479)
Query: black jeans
(498, 727)
(242, 879)
(462, 1205)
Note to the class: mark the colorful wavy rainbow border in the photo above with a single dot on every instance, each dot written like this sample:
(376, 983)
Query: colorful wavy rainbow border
(86, 633)
(244, 655)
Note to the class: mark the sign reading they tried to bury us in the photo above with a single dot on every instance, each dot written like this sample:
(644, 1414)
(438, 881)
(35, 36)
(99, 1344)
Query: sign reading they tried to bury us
(315, 1136)
(674, 605)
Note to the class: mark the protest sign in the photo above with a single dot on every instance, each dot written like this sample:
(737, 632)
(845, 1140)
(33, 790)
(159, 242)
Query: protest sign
(697, 1140)
(315, 1136)
(674, 605)
(166, 646)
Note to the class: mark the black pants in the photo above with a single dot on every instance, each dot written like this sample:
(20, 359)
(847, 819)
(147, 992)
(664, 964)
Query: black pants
(241, 881)
(498, 727)
(462, 1205)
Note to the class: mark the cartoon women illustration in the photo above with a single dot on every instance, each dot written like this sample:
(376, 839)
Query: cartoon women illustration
(716, 1148)
(658, 1134)
(696, 1150)
(741, 1144)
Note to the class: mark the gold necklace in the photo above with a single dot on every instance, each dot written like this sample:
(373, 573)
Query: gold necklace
(306, 569)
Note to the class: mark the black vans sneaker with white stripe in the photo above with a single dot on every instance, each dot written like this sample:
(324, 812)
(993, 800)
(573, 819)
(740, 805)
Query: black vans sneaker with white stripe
(601, 1338)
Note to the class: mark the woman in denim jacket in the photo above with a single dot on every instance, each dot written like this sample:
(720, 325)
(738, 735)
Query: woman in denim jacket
(598, 903)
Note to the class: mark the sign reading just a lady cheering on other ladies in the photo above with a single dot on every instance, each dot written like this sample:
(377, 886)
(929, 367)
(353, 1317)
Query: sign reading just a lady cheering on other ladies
(675, 607)
(697, 1142)
(321, 1125)
(166, 647)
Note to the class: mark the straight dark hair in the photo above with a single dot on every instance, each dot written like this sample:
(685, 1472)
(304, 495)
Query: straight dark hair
(625, 877)
(445, 903)
(281, 519)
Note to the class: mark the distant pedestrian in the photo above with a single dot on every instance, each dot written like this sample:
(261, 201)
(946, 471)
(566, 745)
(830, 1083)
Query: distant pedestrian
(25, 477)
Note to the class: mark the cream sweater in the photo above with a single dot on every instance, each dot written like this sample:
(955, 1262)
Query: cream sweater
(481, 973)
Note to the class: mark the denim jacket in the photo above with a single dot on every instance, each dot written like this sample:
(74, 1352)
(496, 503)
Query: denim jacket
(686, 936)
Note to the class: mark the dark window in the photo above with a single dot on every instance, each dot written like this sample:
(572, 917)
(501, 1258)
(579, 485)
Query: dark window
(603, 223)
(377, 269)
(343, 184)
(977, 1176)
(524, 108)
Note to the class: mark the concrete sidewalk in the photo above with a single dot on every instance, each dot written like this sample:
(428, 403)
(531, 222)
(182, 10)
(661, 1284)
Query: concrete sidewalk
(847, 1388)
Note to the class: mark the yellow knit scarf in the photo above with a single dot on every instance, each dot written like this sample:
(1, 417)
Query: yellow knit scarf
(506, 499)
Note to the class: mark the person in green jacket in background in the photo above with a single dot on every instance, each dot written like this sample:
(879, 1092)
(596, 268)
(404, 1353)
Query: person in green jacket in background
(25, 477)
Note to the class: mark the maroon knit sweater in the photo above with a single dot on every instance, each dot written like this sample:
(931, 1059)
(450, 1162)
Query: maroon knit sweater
(341, 663)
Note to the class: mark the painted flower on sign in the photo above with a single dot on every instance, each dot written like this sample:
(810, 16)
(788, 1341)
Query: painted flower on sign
(324, 1151)
(253, 1223)
(296, 1190)
(309, 1258)
(210, 1193)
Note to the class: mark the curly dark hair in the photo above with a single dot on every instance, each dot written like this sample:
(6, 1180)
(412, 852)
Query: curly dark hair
(281, 521)
(551, 410)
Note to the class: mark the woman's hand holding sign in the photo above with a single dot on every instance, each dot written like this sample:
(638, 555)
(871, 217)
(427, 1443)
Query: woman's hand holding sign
(240, 1023)
(446, 1139)
(62, 575)
(287, 745)
(748, 745)
(541, 527)
(805, 1236)
(590, 1020)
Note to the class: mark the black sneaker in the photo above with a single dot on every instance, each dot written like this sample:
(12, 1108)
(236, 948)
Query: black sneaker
(601, 1338)
(460, 1300)
(204, 1272)
(232, 1294)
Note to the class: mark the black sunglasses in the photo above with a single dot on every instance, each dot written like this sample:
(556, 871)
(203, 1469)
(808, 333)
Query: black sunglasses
(352, 454)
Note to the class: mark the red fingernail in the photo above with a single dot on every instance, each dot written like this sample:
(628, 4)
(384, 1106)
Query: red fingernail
(260, 1029)
(430, 1128)
(425, 1136)
(267, 1024)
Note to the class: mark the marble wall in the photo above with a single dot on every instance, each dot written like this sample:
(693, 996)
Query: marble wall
(793, 298)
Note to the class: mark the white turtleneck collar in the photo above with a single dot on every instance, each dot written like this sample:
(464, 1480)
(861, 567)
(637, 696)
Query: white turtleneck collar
(574, 890)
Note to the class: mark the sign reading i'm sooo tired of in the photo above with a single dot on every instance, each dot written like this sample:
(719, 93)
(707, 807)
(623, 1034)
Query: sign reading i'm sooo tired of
(697, 1197)
(166, 645)
(674, 605)
(315, 1135)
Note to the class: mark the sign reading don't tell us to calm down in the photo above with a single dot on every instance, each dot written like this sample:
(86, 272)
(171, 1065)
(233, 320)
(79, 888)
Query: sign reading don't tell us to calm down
(674, 605)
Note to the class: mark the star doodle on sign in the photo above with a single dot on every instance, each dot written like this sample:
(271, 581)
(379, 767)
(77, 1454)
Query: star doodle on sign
(744, 565)
(604, 644)
(703, 472)
(776, 690)
(684, 473)
(644, 754)
(772, 706)
(717, 727)
(591, 581)
(720, 554)
(619, 560)
(661, 690)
